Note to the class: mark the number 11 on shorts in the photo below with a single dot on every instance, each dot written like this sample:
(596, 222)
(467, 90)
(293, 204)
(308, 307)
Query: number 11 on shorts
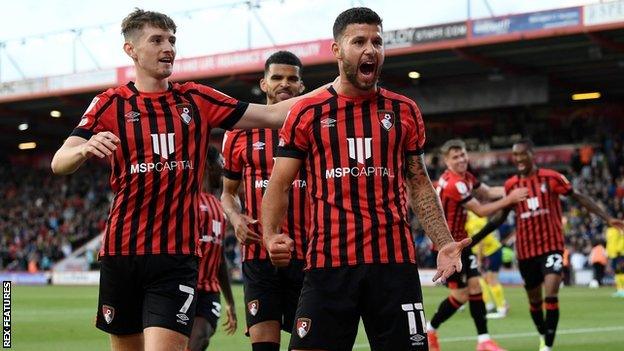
(411, 309)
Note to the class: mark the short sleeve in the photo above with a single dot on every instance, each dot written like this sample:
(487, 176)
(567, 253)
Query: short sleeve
(560, 184)
(93, 119)
(222, 111)
(415, 137)
(295, 133)
(459, 191)
(233, 147)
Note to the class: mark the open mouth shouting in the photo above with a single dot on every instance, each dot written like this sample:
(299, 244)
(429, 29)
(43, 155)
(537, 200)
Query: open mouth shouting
(367, 70)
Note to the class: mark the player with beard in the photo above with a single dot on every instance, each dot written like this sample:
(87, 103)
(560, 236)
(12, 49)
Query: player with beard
(539, 235)
(362, 148)
(271, 294)
(458, 190)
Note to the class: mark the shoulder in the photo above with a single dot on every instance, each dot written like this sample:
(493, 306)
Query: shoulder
(471, 177)
(511, 181)
(311, 101)
(402, 99)
(551, 173)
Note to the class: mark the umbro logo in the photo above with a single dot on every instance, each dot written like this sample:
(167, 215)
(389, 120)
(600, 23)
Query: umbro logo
(258, 145)
(328, 122)
(132, 116)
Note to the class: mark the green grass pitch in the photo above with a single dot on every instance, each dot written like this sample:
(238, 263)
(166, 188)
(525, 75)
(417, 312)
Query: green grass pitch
(62, 318)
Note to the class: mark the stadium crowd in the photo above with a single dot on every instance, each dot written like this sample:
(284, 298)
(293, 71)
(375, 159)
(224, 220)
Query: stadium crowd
(44, 218)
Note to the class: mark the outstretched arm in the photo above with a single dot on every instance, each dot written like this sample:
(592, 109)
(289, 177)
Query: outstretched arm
(426, 203)
(485, 210)
(271, 116)
(490, 226)
(593, 207)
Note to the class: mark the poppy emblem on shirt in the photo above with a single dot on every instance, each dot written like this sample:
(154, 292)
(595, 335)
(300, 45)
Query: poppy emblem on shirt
(386, 118)
(185, 110)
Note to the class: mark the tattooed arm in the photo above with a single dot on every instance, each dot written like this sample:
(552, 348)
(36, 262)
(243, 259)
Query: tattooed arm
(426, 204)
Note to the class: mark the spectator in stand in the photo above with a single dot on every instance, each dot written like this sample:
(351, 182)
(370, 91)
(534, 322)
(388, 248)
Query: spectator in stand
(598, 260)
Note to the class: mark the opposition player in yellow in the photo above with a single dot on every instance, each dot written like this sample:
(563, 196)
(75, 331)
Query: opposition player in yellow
(491, 249)
(615, 252)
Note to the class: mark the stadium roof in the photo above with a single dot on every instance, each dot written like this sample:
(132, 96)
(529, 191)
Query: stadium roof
(577, 49)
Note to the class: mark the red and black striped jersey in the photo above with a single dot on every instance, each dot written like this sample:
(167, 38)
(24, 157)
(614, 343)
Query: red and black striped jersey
(249, 157)
(355, 151)
(454, 191)
(212, 229)
(538, 218)
(157, 169)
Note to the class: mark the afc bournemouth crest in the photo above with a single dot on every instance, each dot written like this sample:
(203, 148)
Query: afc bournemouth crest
(185, 111)
(386, 118)
(253, 307)
(109, 313)
(303, 326)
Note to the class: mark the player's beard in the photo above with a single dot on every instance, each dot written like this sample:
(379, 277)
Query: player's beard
(351, 72)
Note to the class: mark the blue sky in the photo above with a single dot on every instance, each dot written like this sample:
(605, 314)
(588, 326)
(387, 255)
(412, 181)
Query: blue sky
(37, 38)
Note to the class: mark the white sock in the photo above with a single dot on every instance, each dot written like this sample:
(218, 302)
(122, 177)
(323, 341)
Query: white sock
(430, 327)
(483, 337)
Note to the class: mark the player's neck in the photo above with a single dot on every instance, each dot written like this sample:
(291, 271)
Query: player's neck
(147, 84)
(345, 88)
(531, 172)
(461, 174)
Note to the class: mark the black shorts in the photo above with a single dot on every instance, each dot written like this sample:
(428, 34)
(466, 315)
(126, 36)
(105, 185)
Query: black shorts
(137, 292)
(470, 268)
(209, 307)
(387, 297)
(534, 269)
(271, 293)
(494, 261)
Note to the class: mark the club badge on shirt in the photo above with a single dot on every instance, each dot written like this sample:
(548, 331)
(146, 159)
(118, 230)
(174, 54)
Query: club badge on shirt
(386, 118)
(185, 110)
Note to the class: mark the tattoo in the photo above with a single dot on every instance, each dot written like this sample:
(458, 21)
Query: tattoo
(425, 202)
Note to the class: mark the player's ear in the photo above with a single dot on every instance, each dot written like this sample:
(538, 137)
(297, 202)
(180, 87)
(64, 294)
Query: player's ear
(301, 87)
(129, 50)
(263, 85)
(336, 50)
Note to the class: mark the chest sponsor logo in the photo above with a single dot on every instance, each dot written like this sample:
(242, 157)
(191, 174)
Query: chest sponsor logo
(185, 110)
(163, 144)
(360, 149)
(386, 119)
